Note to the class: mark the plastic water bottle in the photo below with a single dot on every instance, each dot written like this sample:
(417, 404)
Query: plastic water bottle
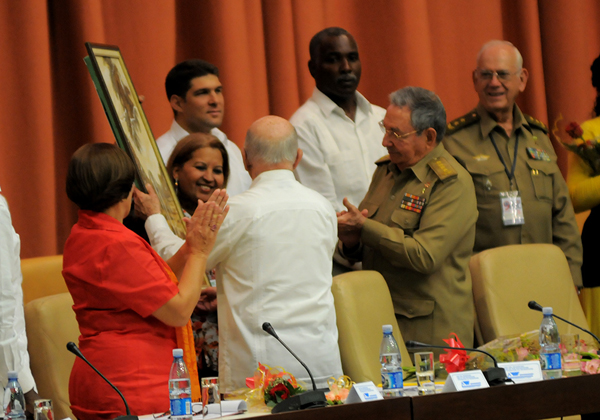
(180, 388)
(391, 364)
(549, 346)
(14, 400)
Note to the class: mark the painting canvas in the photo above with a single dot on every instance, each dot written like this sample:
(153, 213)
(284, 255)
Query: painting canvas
(131, 129)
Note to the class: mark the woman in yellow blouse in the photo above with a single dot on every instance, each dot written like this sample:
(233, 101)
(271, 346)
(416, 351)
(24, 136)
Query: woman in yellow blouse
(584, 186)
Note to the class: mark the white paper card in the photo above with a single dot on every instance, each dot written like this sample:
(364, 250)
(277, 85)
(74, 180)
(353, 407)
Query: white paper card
(363, 392)
(521, 372)
(465, 381)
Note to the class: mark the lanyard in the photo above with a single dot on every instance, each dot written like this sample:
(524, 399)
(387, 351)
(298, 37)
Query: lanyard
(510, 174)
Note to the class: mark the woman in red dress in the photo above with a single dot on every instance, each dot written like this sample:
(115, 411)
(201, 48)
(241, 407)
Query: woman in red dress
(130, 309)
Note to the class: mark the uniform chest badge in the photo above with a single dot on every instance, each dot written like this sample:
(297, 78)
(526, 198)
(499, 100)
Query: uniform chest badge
(538, 154)
(412, 203)
(481, 158)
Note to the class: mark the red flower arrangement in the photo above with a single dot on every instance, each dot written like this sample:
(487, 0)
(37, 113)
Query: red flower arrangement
(574, 130)
(280, 389)
(587, 149)
(270, 386)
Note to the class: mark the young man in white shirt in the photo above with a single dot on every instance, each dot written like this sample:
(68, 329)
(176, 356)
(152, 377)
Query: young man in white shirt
(338, 128)
(196, 97)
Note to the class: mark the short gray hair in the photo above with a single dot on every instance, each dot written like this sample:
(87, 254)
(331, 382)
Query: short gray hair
(495, 42)
(427, 110)
(272, 152)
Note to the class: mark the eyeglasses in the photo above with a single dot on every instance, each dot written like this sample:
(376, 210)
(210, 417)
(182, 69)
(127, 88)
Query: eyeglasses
(504, 75)
(388, 132)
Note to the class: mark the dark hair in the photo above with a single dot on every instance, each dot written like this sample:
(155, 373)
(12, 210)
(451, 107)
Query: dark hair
(596, 83)
(317, 39)
(99, 176)
(427, 110)
(179, 79)
(186, 147)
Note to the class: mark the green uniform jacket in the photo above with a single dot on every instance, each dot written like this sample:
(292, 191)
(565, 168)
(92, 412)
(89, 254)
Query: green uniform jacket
(547, 208)
(423, 253)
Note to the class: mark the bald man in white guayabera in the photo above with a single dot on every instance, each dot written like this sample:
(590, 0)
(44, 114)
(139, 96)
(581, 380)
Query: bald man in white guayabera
(273, 258)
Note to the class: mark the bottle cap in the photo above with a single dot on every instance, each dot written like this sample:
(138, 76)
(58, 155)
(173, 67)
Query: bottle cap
(387, 328)
(177, 353)
(547, 310)
(13, 374)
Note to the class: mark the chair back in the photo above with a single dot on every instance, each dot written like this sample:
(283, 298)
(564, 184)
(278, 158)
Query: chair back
(51, 324)
(506, 278)
(42, 276)
(362, 305)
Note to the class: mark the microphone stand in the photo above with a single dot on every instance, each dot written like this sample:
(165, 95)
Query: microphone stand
(308, 399)
(537, 307)
(494, 376)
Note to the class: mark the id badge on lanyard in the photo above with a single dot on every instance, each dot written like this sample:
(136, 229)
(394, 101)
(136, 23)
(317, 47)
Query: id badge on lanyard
(512, 208)
(510, 201)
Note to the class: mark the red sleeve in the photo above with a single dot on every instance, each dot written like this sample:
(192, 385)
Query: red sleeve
(136, 277)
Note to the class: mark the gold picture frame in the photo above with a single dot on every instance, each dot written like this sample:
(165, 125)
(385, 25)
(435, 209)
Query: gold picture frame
(131, 129)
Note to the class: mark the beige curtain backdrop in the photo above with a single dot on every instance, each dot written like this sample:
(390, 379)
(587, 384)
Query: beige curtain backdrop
(48, 106)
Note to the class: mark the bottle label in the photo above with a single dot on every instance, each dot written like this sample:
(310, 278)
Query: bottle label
(181, 407)
(391, 380)
(550, 361)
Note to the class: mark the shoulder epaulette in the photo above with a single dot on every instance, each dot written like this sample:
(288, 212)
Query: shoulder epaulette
(462, 122)
(536, 123)
(442, 168)
(383, 160)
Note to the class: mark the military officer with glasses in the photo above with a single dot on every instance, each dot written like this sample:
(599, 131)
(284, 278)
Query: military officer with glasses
(522, 197)
(416, 225)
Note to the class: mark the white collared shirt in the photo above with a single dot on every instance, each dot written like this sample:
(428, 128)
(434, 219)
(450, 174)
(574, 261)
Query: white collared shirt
(339, 154)
(13, 339)
(273, 259)
(239, 179)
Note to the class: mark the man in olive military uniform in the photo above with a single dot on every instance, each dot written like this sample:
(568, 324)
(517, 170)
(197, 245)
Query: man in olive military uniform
(522, 199)
(416, 225)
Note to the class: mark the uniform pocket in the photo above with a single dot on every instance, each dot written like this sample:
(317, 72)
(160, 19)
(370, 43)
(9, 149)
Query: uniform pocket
(542, 176)
(371, 207)
(406, 219)
(415, 317)
(413, 308)
(489, 177)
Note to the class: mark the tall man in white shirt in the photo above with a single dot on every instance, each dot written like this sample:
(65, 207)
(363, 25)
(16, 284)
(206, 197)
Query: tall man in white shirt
(196, 97)
(13, 340)
(338, 128)
(273, 259)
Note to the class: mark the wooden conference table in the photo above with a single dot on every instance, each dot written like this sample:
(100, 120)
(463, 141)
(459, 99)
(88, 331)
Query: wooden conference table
(536, 400)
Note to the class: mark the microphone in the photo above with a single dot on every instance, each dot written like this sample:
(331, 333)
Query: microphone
(537, 307)
(268, 328)
(309, 399)
(494, 376)
(72, 347)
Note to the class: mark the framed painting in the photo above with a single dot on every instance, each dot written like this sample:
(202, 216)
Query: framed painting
(131, 129)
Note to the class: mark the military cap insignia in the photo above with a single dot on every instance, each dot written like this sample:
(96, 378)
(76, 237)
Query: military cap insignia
(538, 154)
(412, 202)
(536, 123)
(442, 168)
(462, 122)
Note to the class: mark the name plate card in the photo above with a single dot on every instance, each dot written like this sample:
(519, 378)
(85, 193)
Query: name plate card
(522, 372)
(465, 381)
(363, 392)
